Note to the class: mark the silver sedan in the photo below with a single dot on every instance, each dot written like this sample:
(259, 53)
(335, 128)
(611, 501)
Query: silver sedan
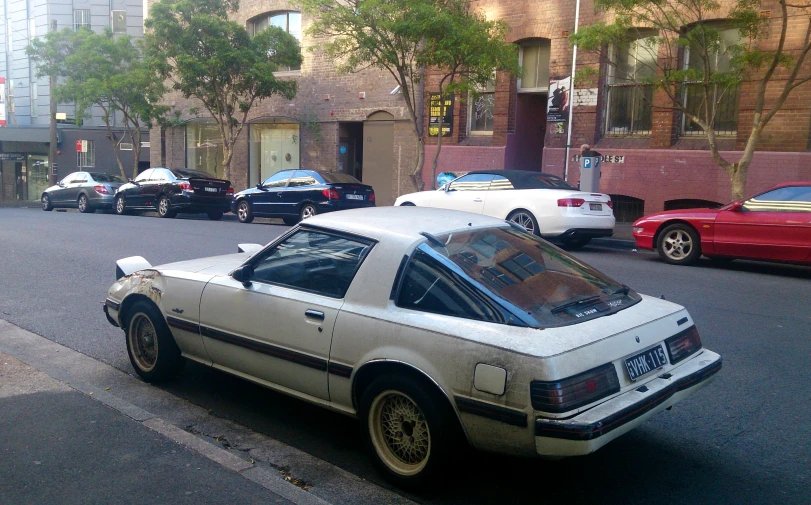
(86, 191)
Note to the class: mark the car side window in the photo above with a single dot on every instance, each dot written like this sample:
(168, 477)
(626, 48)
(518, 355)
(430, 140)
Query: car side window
(159, 175)
(278, 180)
(313, 261)
(787, 199)
(430, 286)
(301, 178)
(79, 178)
(471, 182)
(500, 182)
(144, 176)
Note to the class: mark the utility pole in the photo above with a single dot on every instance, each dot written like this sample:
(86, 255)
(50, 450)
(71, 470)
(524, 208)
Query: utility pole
(52, 127)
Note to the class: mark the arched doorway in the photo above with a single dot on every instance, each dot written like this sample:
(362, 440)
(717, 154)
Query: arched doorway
(378, 148)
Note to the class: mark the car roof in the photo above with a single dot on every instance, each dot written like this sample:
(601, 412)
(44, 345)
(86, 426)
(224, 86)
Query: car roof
(520, 179)
(404, 224)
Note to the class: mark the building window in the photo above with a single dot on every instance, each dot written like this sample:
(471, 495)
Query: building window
(274, 146)
(289, 21)
(81, 19)
(723, 99)
(34, 99)
(88, 157)
(32, 29)
(9, 37)
(630, 94)
(534, 59)
(204, 148)
(481, 110)
(119, 21)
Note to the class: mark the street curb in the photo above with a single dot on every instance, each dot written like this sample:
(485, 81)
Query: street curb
(61, 364)
(613, 243)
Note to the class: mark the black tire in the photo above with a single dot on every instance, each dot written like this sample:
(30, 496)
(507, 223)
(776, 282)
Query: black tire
(84, 205)
(244, 211)
(407, 204)
(679, 244)
(215, 215)
(164, 207)
(120, 206)
(307, 210)
(421, 436)
(290, 221)
(525, 218)
(152, 349)
(47, 206)
(575, 243)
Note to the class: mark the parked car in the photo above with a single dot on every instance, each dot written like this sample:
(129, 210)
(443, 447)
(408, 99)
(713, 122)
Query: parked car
(294, 195)
(86, 191)
(172, 190)
(544, 204)
(774, 225)
(432, 327)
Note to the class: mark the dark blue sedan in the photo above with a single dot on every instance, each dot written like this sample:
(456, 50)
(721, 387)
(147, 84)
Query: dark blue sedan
(294, 195)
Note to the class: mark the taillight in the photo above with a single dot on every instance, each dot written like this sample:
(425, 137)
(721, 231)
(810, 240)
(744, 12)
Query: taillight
(610, 204)
(571, 202)
(576, 391)
(230, 191)
(683, 344)
(330, 194)
(372, 197)
(102, 190)
(185, 186)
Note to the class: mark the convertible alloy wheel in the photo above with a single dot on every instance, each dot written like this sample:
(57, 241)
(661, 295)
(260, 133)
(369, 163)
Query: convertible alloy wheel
(526, 219)
(120, 205)
(84, 205)
(409, 428)
(150, 345)
(46, 203)
(308, 210)
(244, 213)
(165, 208)
(679, 244)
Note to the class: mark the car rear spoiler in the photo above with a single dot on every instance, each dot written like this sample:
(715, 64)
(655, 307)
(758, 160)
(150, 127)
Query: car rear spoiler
(126, 266)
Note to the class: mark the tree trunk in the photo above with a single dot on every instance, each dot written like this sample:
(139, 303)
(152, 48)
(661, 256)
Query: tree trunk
(416, 175)
(438, 143)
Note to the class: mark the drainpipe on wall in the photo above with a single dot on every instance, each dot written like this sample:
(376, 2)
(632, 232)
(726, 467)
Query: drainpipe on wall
(571, 95)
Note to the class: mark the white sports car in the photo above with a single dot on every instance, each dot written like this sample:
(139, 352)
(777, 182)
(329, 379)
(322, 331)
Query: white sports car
(544, 204)
(433, 327)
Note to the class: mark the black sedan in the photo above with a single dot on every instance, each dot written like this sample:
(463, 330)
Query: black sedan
(172, 190)
(86, 191)
(294, 195)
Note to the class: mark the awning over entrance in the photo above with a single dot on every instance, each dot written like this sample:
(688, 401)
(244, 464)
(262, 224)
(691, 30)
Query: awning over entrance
(25, 135)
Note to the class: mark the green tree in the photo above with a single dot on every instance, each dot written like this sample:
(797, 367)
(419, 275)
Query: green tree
(743, 48)
(466, 50)
(203, 55)
(105, 71)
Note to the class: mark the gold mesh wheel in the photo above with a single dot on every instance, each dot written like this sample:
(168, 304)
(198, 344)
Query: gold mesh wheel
(399, 433)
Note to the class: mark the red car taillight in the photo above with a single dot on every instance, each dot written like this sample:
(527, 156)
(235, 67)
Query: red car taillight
(102, 190)
(372, 197)
(571, 202)
(185, 186)
(230, 191)
(576, 391)
(683, 344)
(330, 194)
(610, 204)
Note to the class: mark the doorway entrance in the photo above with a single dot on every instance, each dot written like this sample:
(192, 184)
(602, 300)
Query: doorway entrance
(530, 130)
(350, 149)
(378, 157)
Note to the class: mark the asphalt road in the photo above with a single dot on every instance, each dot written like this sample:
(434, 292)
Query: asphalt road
(746, 438)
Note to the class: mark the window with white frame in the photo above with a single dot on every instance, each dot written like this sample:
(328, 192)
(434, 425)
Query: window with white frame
(722, 101)
(289, 21)
(88, 157)
(119, 21)
(534, 60)
(630, 91)
(481, 110)
(81, 19)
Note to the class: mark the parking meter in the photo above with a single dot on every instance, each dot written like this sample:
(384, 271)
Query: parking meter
(590, 174)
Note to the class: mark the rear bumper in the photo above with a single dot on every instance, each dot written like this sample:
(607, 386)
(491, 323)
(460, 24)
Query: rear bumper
(111, 305)
(592, 429)
(586, 233)
(101, 201)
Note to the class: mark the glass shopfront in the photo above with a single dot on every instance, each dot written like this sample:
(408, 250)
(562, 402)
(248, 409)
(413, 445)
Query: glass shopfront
(204, 150)
(274, 146)
(23, 176)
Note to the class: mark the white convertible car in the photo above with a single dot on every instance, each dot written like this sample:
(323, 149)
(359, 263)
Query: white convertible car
(544, 204)
(433, 327)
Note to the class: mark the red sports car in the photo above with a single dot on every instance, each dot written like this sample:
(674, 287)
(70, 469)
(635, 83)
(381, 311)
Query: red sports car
(774, 225)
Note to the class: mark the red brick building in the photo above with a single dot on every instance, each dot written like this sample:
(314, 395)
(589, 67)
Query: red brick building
(358, 123)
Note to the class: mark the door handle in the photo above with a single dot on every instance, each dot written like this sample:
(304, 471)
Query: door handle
(314, 314)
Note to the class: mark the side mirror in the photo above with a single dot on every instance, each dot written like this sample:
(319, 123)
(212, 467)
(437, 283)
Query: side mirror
(259, 186)
(60, 184)
(736, 206)
(447, 188)
(243, 274)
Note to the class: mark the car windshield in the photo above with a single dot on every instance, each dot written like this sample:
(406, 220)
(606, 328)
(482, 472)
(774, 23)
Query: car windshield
(337, 177)
(185, 173)
(531, 277)
(106, 178)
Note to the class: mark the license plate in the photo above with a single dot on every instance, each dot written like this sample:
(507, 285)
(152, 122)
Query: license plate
(595, 206)
(354, 197)
(212, 190)
(645, 362)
